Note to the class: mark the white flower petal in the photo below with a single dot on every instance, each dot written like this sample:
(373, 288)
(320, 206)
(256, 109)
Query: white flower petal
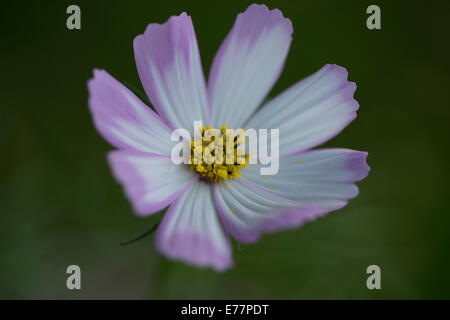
(310, 112)
(151, 182)
(191, 230)
(319, 178)
(124, 120)
(168, 63)
(247, 64)
(245, 208)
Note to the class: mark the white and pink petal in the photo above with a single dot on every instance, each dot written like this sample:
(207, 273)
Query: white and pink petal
(151, 182)
(246, 208)
(192, 232)
(320, 181)
(248, 64)
(123, 119)
(310, 112)
(168, 63)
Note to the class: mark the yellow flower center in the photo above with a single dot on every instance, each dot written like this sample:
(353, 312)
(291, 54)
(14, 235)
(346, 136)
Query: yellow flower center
(218, 154)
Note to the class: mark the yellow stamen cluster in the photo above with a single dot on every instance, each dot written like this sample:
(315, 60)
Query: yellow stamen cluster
(225, 164)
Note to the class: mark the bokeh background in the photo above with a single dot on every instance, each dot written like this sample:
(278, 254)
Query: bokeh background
(59, 204)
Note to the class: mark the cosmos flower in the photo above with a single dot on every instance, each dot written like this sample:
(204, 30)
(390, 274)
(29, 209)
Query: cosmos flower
(206, 208)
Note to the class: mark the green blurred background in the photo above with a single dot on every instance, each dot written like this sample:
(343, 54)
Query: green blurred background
(59, 204)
